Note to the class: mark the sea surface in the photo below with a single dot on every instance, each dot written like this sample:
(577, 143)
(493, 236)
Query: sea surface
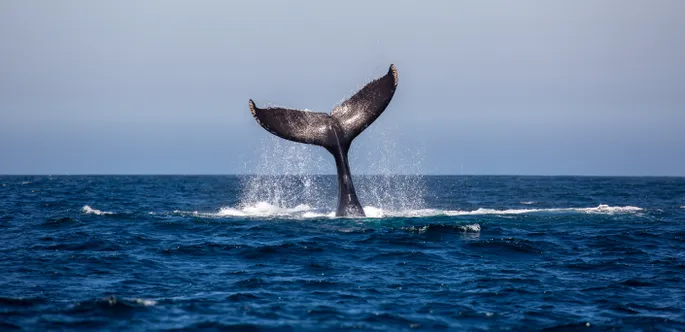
(267, 253)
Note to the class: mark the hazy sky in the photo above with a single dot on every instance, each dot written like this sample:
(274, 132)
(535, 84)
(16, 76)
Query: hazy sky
(486, 87)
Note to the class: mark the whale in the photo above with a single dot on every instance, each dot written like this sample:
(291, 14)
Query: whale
(334, 131)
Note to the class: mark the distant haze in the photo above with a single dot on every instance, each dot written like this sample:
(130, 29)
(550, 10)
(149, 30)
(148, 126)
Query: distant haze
(496, 87)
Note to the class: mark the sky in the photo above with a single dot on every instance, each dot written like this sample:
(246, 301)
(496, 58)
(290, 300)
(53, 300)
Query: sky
(578, 87)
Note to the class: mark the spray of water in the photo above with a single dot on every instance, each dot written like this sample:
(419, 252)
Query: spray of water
(284, 177)
(396, 184)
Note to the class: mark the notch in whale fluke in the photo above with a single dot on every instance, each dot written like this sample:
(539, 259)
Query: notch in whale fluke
(334, 131)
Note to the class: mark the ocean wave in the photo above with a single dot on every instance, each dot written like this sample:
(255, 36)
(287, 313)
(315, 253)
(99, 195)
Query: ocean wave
(89, 210)
(144, 302)
(601, 209)
(21, 301)
(471, 228)
(528, 202)
(372, 212)
(111, 305)
(262, 209)
(303, 211)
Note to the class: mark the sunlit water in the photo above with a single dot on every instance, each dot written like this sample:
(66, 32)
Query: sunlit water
(216, 252)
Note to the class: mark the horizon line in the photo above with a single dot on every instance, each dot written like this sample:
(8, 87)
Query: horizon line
(330, 174)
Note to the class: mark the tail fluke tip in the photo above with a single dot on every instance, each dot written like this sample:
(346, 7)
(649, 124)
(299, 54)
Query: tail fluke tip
(393, 70)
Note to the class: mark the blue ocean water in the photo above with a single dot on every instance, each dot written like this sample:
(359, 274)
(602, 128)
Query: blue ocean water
(443, 252)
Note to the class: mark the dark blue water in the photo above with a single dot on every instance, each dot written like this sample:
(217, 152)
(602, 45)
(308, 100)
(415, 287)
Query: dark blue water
(472, 253)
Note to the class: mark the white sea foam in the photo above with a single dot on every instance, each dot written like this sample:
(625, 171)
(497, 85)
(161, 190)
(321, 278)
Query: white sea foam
(145, 302)
(263, 209)
(472, 228)
(89, 210)
(310, 215)
(601, 209)
(372, 212)
(682, 207)
(528, 202)
(303, 211)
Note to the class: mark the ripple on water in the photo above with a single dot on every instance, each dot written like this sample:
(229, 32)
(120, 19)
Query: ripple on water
(508, 246)
(21, 302)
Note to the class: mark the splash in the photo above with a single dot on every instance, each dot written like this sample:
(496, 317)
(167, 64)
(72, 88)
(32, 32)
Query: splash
(398, 184)
(284, 178)
(264, 209)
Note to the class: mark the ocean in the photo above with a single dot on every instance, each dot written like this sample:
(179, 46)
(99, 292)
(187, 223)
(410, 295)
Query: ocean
(266, 253)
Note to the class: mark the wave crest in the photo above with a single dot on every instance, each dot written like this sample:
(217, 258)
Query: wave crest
(89, 210)
(600, 209)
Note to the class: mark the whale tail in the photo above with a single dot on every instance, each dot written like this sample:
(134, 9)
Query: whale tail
(338, 128)
(334, 131)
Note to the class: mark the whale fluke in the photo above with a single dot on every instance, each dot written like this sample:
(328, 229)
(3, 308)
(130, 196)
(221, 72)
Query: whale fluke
(294, 125)
(365, 106)
(334, 132)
